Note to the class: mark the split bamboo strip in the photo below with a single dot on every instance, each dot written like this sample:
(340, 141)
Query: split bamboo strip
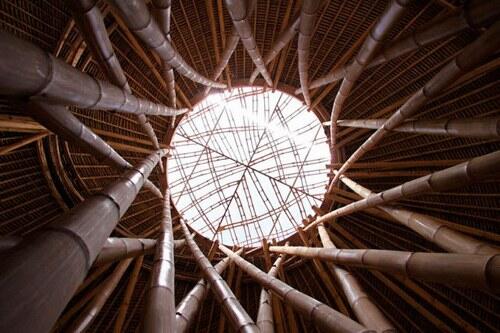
(28, 71)
(23, 142)
(474, 271)
(472, 56)
(325, 318)
(49, 266)
(238, 317)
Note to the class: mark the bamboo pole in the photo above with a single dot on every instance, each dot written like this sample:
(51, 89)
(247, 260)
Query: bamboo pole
(363, 306)
(238, 317)
(9, 242)
(159, 314)
(428, 227)
(91, 311)
(23, 142)
(239, 13)
(474, 271)
(139, 20)
(28, 71)
(472, 56)
(324, 317)
(47, 268)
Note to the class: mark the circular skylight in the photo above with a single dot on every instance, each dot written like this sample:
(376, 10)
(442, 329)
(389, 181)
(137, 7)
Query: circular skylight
(248, 164)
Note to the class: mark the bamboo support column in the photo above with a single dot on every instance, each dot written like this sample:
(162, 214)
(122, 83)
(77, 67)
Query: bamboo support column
(238, 317)
(41, 274)
(324, 317)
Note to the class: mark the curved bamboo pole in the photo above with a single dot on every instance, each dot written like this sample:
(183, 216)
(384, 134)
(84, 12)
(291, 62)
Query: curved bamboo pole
(238, 317)
(139, 20)
(472, 55)
(474, 271)
(307, 22)
(324, 317)
(159, 315)
(465, 128)
(478, 14)
(91, 311)
(28, 71)
(48, 267)
(60, 120)
(428, 227)
(239, 13)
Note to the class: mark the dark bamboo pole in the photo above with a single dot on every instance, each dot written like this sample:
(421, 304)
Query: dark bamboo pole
(363, 306)
(463, 174)
(188, 308)
(239, 13)
(475, 271)
(139, 20)
(466, 128)
(472, 56)
(238, 317)
(324, 317)
(306, 29)
(7, 243)
(159, 315)
(474, 16)
(60, 120)
(428, 227)
(28, 71)
(88, 315)
(41, 274)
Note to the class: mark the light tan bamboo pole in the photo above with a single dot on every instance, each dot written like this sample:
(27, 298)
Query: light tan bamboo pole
(139, 20)
(239, 13)
(325, 318)
(122, 311)
(365, 309)
(283, 39)
(159, 315)
(190, 304)
(474, 16)
(87, 316)
(463, 174)
(472, 56)
(428, 227)
(238, 317)
(306, 29)
(466, 128)
(23, 142)
(265, 320)
(474, 271)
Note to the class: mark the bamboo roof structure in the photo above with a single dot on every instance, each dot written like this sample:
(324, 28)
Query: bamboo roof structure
(250, 165)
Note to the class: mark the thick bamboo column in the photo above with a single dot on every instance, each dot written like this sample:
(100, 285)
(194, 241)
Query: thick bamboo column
(238, 317)
(265, 320)
(239, 13)
(41, 274)
(467, 128)
(463, 174)
(23, 142)
(139, 20)
(9, 242)
(306, 29)
(428, 227)
(87, 316)
(472, 56)
(159, 315)
(91, 24)
(366, 311)
(60, 120)
(475, 15)
(474, 271)
(325, 318)
(28, 71)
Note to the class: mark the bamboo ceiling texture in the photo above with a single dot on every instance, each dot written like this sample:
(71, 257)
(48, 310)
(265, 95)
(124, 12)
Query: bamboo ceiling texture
(249, 165)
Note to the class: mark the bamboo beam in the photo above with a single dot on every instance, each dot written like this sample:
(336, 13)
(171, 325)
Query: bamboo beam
(324, 317)
(472, 56)
(56, 259)
(23, 142)
(238, 317)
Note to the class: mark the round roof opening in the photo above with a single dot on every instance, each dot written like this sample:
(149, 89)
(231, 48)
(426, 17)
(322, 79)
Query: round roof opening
(248, 164)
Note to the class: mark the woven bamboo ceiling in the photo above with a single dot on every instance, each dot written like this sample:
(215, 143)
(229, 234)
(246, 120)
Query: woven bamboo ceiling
(282, 186)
